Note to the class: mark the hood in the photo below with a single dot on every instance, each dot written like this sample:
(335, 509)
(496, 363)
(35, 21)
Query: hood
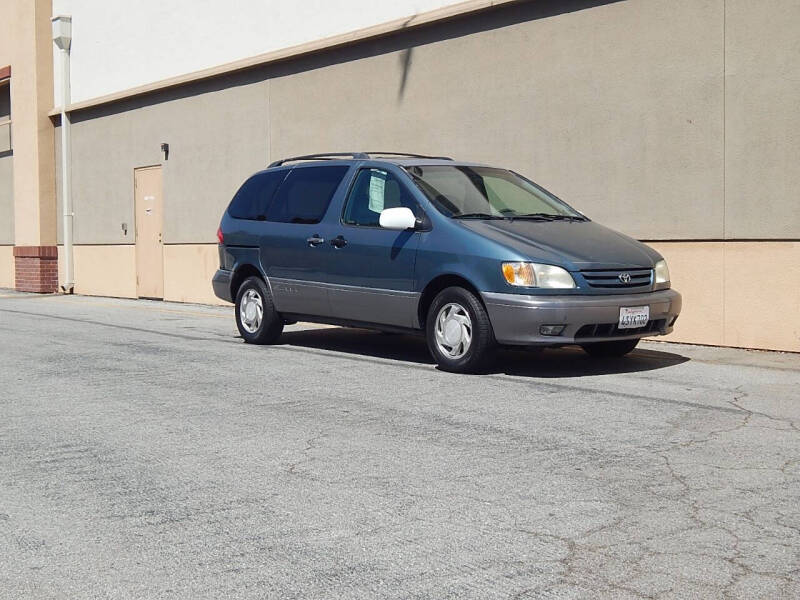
(575, 245)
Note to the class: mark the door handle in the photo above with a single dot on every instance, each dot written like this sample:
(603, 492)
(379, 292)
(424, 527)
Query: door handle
(315, 240)
(338, 242)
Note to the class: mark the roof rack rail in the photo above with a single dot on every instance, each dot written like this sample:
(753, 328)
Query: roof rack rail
(321, 156)
(354, 155)
(409, 154)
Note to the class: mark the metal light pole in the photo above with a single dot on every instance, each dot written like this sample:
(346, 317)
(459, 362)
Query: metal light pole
(62, 37)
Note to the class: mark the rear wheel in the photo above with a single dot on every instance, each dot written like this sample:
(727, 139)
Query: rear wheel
(256, 318)
(610, 349)
(458, 331)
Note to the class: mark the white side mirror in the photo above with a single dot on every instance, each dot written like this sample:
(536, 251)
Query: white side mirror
(399, 218)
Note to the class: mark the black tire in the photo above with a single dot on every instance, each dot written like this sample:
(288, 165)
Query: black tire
(269, 326)
(610, 349)
(479, 352)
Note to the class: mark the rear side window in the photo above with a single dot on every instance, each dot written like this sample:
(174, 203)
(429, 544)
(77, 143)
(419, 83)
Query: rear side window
(253, 198)
(305, 194)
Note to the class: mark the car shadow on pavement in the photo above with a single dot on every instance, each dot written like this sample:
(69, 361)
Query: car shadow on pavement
(569, 361)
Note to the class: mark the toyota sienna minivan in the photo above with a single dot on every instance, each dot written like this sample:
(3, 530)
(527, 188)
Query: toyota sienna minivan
(472, 256)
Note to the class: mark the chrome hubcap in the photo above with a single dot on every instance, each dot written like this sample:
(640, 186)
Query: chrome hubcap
(453, 331)
(251, 311)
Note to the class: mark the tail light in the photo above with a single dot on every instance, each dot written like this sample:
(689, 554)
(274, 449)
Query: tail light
(220, 237)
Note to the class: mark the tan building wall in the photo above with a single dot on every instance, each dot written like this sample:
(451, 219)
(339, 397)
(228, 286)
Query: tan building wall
(720, 307)
(6, 266)
(110, 270)
(738, 293)
(27, 171)
(7, 199)
(103, 270)
(188, 269)
(217, 138)
(620, 108)
(762, 121)
(6, 161)
(616, 108)
(31, 100)
(670, 121)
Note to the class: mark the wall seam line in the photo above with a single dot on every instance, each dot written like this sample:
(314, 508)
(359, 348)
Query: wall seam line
(724, 163)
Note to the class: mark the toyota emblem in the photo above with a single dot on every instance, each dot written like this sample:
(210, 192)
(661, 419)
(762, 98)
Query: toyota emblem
(625, 277)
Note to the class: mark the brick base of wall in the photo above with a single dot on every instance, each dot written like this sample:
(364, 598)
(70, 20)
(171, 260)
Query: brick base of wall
(36, 269)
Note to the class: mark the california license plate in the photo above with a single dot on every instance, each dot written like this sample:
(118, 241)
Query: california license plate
(631, 317)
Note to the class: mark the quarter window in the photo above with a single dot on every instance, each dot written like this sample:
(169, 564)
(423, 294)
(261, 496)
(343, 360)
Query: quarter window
(373, 191)
(305, 194)
(253, 198)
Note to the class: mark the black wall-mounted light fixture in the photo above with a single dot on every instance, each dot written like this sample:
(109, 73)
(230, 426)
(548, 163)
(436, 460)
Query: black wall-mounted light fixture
(165, 150)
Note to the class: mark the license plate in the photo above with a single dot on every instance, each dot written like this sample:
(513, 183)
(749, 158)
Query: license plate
(631, 317)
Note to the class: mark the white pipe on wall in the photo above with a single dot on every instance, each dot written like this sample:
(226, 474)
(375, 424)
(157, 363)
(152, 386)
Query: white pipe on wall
(66, 192)
(62, 36)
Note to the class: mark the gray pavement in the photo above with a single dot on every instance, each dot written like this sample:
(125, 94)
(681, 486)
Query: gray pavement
(146, 452)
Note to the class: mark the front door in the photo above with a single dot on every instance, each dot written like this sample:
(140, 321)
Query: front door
(371, 268)
(149, 206)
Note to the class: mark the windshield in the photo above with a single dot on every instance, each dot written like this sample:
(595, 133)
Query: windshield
(488, 193)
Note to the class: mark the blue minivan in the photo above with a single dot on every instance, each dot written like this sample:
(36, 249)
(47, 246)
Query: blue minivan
(472, 256)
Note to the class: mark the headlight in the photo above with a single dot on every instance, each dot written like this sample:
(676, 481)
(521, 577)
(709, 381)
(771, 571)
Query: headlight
(662, 272)
(535, 275)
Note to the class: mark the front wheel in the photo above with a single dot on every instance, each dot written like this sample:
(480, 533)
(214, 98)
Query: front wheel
(256, 318)
(458, 332)
(610, 349)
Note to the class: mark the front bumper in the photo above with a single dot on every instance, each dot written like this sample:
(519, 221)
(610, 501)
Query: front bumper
(516, 318)
(221, 282)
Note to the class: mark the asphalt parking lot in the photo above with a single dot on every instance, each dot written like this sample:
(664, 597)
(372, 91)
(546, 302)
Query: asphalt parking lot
(146, 452)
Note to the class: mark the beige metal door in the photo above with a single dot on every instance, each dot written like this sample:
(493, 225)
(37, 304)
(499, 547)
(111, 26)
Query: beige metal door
(147, 191)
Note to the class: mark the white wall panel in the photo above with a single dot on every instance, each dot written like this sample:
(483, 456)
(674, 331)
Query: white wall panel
(119, 45)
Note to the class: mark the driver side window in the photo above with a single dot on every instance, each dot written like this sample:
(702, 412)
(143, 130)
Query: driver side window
(373, 191)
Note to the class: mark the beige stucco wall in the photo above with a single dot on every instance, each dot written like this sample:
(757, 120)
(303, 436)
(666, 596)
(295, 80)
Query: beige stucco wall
(110, 270)
(744, 294)
(6, 161)
(766, 313)
(734, 293)
(6, 199)
(762, 122)
(103, 270)
(188, 269)
(6, 266)
(697, 272)
(666, 120)
(616, 108)
(216, 140)
(27, 47)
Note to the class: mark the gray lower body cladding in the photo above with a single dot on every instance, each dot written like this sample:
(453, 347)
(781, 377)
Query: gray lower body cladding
(221, 284)
(516, 318)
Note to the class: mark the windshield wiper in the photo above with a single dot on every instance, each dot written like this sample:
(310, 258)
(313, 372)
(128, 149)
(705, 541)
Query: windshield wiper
(477, 215)
(534, 216)
(568, 218)
(548, 217)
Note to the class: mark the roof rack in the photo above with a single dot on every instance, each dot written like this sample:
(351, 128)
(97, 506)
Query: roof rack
(409, 154)
(353, 155)
(322, 156)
